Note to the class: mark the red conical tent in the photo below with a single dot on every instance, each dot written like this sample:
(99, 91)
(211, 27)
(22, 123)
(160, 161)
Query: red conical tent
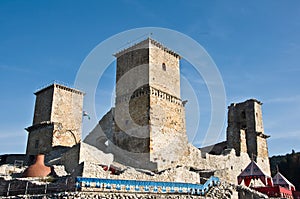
(280, 180)
(252, 171)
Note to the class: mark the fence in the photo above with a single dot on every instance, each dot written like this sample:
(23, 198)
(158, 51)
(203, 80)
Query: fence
(37, 186)
(34, 186)
(95, 184)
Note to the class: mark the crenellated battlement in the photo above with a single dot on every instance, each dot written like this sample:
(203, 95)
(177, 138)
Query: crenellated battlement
(147, 44)
(59, 85)
(149, 91)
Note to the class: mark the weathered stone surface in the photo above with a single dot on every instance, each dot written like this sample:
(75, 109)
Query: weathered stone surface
(223, 190)
(43, 106)
(147, 128)
(40, 138)
(102, 133)
(146, 131)
(164, 69)
(149, 118)
(245, 132)
(57, 119)
(59, 170)
(9, 170)
(180, 174)
(226, 166)
(247, 193)
(84, 153)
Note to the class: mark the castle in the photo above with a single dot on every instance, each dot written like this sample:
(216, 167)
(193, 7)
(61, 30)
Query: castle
(146, 129)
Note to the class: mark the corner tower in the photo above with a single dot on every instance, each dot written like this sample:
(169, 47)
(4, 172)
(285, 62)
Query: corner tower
(149, 113)
(57, 119)
(245, 132)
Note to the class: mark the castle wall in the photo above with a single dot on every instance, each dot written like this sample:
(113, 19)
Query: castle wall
(102, 133)
(66, 138)
(40, 140)
(259, 127)
(245, 132)
(180, 174)
(131, 119)
(164, 71)
(67, 109)
(233, 135)
(226, 166)
(215, 149)
(131, 60)
(149, 112)
(43, 105)
(84, 152)
(132, 123)
(168, 139)
(57, 119)
(243, 141)
(264, 164)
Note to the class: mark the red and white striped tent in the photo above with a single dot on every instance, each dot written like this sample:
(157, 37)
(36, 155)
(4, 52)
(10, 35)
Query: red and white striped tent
(253, 172)
(280, 180)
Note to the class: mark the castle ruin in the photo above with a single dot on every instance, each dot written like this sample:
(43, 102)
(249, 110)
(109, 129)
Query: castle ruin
(57, 119)
(146, 129)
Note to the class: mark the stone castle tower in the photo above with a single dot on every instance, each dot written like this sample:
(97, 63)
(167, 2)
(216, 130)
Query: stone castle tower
(57, 119)
(245, 132)
(149, 116)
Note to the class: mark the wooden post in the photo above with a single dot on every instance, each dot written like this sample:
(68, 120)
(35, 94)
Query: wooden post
(26, 188)
(7, 193)
(45, 188)
(67, 188)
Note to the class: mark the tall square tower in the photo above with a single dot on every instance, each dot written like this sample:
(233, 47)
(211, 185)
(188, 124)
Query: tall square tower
(149, 114)
(57, 119)
(245, 132)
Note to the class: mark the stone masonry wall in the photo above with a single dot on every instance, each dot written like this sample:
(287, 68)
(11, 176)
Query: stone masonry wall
(102, 133)
(67, 110)
(149, 112)
(168, 140)
(180, 174)
(40, 139)
(43, 105)
(226, 166)
(259, 127)
(164, 71)
(243, 141)
(245, 132)
(57, 119)
(262, 151)
(132, 59)
(131, 132)
(132, 124)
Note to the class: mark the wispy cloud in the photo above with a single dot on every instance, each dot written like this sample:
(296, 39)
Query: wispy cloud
(284, 99)
(4, 67)
(12, 136)
(238, 99)
(288, 134)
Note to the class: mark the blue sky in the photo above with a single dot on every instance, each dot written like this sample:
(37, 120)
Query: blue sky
(255, 45)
